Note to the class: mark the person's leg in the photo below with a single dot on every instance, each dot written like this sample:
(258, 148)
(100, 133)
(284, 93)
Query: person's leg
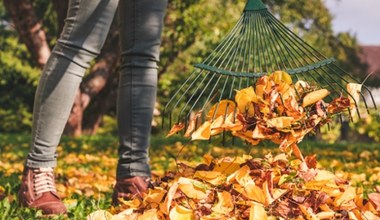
(141, 23)
(84, 33)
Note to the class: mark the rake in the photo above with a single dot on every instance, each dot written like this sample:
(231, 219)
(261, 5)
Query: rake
(258, 44)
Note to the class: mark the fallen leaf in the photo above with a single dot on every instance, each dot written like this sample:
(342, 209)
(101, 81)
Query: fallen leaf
(203, 132)
(99, 215)
(314, 97)
(225, 204)
(257, 212)
(181, 213)
(176, 128)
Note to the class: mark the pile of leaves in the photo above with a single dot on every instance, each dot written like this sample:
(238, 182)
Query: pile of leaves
(274, 109)
(283, 186)
(249, 188)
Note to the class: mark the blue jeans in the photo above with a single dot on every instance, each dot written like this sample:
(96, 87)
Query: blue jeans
(86, 28)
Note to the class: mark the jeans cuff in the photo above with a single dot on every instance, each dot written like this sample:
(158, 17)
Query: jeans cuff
(38, 164)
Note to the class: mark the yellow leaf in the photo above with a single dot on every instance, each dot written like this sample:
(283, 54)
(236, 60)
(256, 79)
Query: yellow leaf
(226, 166)
(225, 204)
(192, 188)
(126, 214)
(308, 213)
(181, 213)
(213, 177)
(222, 108)
(203, 132)
(280, 122)
(255, 193)
(281, 77)
(150, 214)
(325, 215)
(165, 207)
(247, 136)
(354, 90)
(348, 195)
(207, 158)
(135, 203)
(314, 97)
(257, 212)
(154, 196)
(244, 99)
(99, 215)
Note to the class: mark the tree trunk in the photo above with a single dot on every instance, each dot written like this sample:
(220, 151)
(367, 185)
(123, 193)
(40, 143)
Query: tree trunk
(61, 7)
(94, 83)
(29, 29)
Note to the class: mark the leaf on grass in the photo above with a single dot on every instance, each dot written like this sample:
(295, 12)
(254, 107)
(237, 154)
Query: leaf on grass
(181, 213)
(212, 177)
(375, 198)
(150, 214)
(154, 196)
(192, 188)
(257, 212)
(99, 215)
(225, 203)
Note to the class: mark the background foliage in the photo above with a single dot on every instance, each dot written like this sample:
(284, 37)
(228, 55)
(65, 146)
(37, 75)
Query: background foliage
(192, 29)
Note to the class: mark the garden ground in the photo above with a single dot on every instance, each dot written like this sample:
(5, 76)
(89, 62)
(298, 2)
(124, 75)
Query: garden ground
(86, 166)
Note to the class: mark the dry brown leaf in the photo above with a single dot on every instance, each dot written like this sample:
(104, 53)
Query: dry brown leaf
(176, 128)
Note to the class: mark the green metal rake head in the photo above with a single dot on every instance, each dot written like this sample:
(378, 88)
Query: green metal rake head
(259, 44)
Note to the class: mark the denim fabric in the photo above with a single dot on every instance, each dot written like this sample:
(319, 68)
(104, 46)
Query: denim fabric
(86, 28)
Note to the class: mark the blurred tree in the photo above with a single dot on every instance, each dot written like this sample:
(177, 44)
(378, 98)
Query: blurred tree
(192, 29)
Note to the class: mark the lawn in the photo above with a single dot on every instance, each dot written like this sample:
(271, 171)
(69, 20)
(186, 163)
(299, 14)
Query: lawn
(86, 166)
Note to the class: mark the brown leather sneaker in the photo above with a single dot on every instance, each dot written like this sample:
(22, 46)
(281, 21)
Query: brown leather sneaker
(130, 188)
(38, 191)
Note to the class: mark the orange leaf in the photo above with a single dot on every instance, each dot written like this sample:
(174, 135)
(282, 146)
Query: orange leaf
(192, 188)
(150, 214)
(280, 77)
(203, 132)
(222, 108)
(176, 128)
(213, 177)
(225, 203)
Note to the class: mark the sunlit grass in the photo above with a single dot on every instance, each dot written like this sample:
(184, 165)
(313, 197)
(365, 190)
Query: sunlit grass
(86, 166)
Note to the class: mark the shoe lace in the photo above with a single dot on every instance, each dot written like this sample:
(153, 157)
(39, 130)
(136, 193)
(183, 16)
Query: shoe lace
(43, 180)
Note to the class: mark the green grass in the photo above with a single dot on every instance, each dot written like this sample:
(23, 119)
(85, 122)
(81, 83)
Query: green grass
(86, 166)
